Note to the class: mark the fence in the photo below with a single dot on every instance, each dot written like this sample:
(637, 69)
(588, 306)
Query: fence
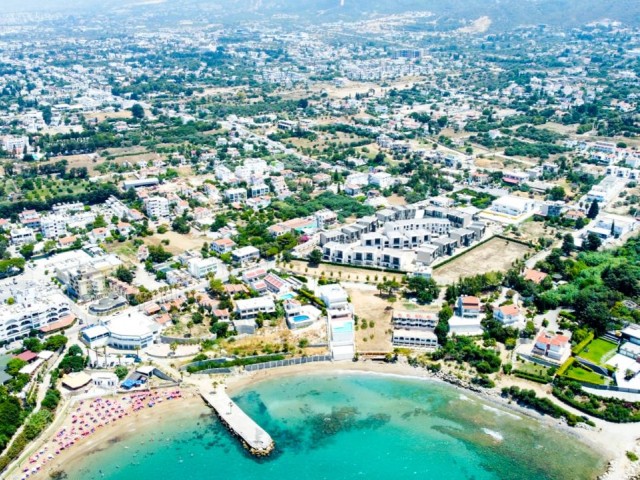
(202, 362)
(612, 388)
(287, 362)
(185, 341)
(215, 371)
(593, 366)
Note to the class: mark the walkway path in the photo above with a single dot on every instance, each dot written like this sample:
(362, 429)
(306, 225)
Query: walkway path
(254, 438)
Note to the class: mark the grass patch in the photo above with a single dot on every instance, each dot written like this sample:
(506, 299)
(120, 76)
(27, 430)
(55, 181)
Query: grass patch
(582, 375)
(533, 369)
(632, 456)
(599, 351)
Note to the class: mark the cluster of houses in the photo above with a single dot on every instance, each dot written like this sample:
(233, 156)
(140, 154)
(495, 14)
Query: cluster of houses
(401, 238)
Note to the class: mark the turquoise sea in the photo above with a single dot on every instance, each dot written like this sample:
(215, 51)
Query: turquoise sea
(348, 426)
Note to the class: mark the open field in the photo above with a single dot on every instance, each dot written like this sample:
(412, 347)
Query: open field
(370, 307)
(495, 255)
(178, 243)
(343, 272)
(102, 116)
(532, 368)
(599, 351)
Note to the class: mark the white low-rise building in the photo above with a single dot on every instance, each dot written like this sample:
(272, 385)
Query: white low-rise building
(130, 330)
(414, 338)
(201, 267)
(22, 236)
(333, 295)
(250, 308)
(513, 206)
(245, 254)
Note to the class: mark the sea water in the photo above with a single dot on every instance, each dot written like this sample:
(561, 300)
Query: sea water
(348, 426)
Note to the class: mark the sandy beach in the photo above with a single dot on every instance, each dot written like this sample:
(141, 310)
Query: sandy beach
(612, 440)
(136, 415)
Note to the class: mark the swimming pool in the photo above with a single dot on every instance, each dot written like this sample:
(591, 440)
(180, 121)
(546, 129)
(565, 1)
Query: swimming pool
(287, 296)
(301, 318)
(345, 327)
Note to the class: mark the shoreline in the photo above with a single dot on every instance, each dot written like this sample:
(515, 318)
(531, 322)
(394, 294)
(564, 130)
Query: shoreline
(110, 434)
(612, 441)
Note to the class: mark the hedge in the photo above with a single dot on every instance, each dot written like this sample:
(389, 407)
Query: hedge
(579, 347)
(238, 362)
(565, 366)
(529, 376)
(607, 415)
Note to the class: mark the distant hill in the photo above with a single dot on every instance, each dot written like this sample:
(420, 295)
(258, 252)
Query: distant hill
(504, 14)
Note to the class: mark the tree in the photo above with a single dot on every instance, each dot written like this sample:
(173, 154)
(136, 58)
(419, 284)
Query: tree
(33, 344)
(591, 243)
(315, 257)
(27, 251)
(594, 209)
(181, 225)
(568, 244)
(220, 329)
(55, 342)
(99, 222)
(14, 365)
(580, 223)
(442, 329)
(216, 287)
(121, 371)
(124, 274)
(426, 290)
(137, 111)
(557, 193)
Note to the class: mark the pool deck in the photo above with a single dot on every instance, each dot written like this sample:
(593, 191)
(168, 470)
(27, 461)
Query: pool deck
(253, 437)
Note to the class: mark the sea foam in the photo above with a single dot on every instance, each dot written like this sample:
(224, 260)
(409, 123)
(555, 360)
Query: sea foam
(493, 434)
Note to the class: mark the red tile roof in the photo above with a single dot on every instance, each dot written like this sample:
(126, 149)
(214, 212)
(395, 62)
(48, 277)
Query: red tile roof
(62, 323)
(27, 356)
(535, 276)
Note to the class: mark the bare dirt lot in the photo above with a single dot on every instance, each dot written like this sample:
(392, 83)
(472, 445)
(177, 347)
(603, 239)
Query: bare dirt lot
(495, 255)
(373, 333)
(178, 243)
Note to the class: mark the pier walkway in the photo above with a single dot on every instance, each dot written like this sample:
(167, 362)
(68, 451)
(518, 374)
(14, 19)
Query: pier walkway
(253, 437)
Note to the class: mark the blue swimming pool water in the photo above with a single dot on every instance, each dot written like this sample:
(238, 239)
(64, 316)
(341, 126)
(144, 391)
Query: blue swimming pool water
(345, 327)
(301, 318)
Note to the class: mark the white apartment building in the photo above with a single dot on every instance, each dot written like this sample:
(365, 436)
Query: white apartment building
(202, 267)
(21, 236)
(248, 309)
(53, 226)
(414, 338)
(414, 320)
(381, 179)
(235, 194)
(12, 144)
(32, 311)
(259, 190)
(245, 254)
(157, 207)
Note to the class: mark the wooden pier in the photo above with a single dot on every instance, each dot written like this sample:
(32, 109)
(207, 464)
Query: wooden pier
(253, 437)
